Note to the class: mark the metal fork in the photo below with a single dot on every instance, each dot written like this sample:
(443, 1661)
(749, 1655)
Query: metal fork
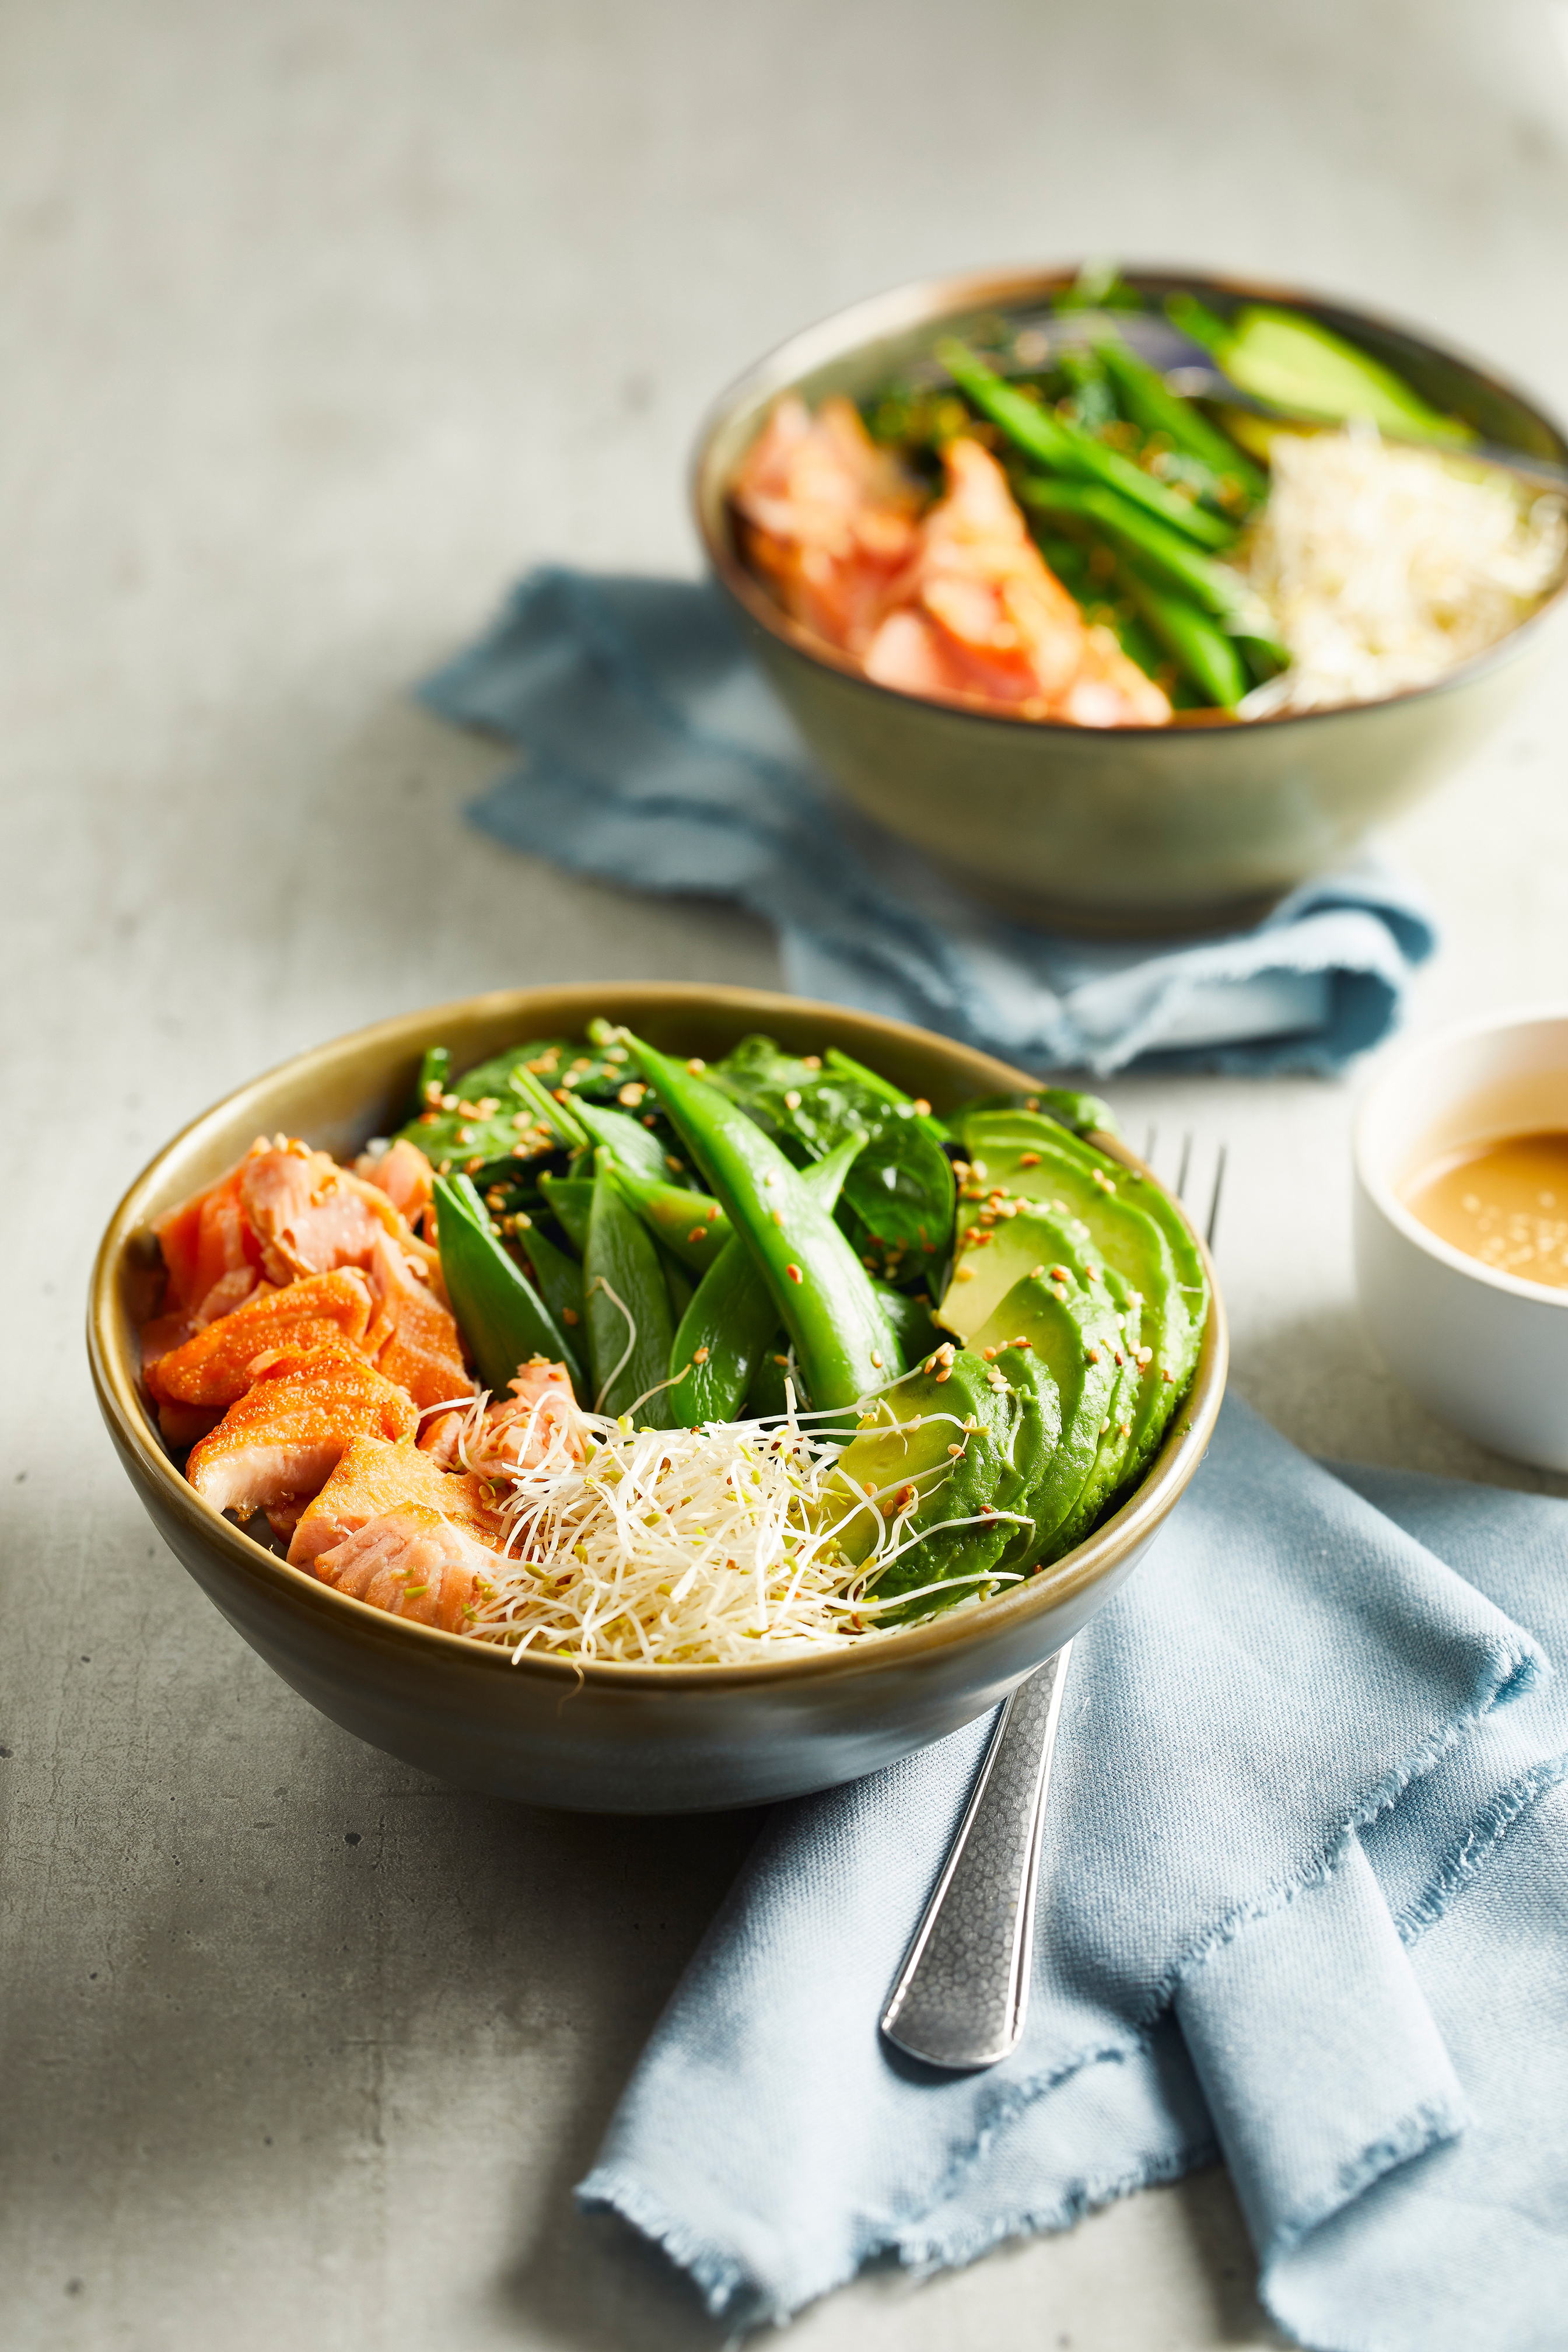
(960, 1998)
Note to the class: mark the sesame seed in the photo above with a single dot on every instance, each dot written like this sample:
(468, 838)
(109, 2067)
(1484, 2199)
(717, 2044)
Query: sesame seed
(922, 1108)
(570, 1315)
(696, 1065)
(698, 1234)
(1094, 1355)
(794, 1274)
(676, 1167)
(792, 1099)
(1029, 1159)
(877, 1360)
(700, 1357)
(955, 1450)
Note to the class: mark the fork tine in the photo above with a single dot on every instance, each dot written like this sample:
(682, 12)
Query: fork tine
(1213, 1225)
(1186, 1163)
(1149, 1141)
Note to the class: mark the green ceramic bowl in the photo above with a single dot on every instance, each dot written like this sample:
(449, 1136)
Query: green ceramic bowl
(602, 1739)
(1130, 828)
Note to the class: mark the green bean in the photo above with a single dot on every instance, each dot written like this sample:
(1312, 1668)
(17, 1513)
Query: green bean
(629, 1322)
(1215, 586)
(1151, 402)
(1207, 655)
(1065, 448)
(498, 1312)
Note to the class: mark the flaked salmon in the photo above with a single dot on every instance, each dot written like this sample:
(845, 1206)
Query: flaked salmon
(213, 1367)
(212, 1255)
(413, 1339)
(284, 1436)
(539, 1425)
(827, 518)
(412, 1562)
(978, 615)
(404, 1174)
(374, 1477)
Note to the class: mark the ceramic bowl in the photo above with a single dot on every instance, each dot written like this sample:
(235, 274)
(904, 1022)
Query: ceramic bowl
(1129, 828)
(608, 1737)
(1484, 1350)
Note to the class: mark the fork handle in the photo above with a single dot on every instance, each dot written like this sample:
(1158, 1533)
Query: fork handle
(959, 1997)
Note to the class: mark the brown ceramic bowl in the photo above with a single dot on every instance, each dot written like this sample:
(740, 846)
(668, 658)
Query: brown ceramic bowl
(600, 1739)
(1118, 828)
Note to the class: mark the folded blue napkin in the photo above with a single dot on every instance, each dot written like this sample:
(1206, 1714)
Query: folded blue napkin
(1304, 1903)
(655, 756)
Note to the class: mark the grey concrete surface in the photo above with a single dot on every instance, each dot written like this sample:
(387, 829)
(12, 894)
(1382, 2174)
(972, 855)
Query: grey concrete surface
(320, 322)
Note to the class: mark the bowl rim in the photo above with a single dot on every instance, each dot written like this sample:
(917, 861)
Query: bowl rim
(914, 300)
(115, 1383)
(1381, 1192)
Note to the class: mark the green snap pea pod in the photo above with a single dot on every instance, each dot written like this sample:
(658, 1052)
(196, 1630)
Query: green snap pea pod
(627, 1304)
(557, 1277)
(731, 1320)
(824, 1297)
(585, 1126)
(499, 1311)
(569, 1200)
(688, 1223)
(1150, 401)
(1067, 449)
(1205, 651)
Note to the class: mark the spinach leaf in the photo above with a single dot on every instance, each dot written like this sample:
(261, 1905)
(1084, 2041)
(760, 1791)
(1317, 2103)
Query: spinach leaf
(898, 1201)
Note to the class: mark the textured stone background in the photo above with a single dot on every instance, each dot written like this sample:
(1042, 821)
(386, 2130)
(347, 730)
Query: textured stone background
(320, 322)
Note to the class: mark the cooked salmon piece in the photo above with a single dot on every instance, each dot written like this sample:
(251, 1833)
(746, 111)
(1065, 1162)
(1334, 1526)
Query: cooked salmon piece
(372, 1478)
(413, 1339)
(412, 1562)
(212, 1257)
(441, 1438)
(539, 1424)
(827, 517)
(213, 1367)
(404, 1174)
(978, 615)
(183, 1424)
(306, 1219)
(285, 1435)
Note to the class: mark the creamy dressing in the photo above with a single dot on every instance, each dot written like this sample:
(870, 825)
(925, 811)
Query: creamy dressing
(1505, 1203)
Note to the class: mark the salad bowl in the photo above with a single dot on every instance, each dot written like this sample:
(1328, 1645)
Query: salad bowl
(603, 1737)
(1130, 828)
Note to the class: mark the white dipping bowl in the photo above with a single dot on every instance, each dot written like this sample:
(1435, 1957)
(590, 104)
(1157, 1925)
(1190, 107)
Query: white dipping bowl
(1485, 1351)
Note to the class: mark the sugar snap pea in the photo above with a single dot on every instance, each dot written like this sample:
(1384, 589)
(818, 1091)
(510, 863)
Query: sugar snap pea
(819, 1287)
(1204, 650)
(731, 1320)
(627, 1302)
(499, 1311)
(569, 1200)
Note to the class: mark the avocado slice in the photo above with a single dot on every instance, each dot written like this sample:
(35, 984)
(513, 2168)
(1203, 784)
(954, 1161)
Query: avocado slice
(1073, 1333)
(1128, 1222)
(1004, 1134)
(903, 1442)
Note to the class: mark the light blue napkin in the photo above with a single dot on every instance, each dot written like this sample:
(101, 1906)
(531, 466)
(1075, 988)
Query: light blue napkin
(655, 756)
(1304, 1902)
